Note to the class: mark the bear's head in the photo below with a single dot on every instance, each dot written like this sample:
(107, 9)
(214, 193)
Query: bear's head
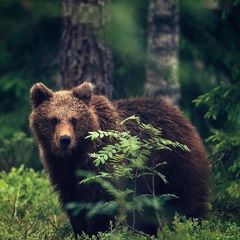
(61, 120)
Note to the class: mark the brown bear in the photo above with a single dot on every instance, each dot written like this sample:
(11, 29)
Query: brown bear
(61, 121)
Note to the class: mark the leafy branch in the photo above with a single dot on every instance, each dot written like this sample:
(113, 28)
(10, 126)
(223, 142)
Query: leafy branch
(126, 160)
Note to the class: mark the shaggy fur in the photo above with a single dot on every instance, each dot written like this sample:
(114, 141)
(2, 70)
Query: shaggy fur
(60, 122)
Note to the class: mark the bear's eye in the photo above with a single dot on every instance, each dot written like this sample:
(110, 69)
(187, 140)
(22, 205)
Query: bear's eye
(74, 121)
(54, 121)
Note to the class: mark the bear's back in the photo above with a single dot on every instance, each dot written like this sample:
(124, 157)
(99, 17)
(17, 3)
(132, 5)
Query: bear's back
(160, 114)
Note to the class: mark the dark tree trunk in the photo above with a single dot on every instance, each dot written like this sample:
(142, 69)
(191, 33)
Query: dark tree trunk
(163, 41)
(84, 54)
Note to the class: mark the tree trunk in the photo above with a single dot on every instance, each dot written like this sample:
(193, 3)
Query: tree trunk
(163, 41)
(84, 54)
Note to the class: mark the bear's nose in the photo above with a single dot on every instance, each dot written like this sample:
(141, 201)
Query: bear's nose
(65, 141)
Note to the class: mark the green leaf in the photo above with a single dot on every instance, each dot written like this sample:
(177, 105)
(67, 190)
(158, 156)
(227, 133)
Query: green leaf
(3, 185)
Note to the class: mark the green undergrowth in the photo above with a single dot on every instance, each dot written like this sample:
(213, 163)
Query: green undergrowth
(29, 210)
(28, 207)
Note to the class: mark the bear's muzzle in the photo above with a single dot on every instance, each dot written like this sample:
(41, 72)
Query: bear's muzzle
(65, 141)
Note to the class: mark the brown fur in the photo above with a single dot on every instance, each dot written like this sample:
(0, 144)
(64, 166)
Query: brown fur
(72, 114)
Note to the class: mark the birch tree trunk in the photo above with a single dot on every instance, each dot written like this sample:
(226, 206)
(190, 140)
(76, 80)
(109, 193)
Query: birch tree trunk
(84, 54)
(163, 41)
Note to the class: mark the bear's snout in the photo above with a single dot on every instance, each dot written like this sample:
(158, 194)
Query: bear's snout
(65, 140)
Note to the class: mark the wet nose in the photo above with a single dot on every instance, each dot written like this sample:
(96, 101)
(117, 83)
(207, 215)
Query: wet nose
(65, 141)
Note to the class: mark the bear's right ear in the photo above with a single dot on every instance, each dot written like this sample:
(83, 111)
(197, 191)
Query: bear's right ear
(39, 93)
(83, 92)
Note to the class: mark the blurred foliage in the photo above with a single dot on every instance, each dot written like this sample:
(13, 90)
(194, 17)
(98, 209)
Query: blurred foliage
(28, 54)
(224, 100)
(208, 56)
(18, 150)
(216, 62)
(128, 38)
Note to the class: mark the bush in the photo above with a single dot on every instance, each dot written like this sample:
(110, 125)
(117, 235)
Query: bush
(126, 161)
(223, 107)
(192, 230)
(181, 229)
(29, 208)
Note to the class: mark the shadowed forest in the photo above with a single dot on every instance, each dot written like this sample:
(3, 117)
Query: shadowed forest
(185, 51)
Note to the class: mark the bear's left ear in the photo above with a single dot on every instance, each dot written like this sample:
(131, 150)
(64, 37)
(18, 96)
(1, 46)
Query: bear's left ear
(83, 92)
(39, 93)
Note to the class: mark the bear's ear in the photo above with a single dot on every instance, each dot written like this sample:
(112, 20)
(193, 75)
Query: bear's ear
(83, 92)
(39, 93)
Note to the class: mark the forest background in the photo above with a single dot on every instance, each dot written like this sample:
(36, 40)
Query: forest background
(208, 83)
